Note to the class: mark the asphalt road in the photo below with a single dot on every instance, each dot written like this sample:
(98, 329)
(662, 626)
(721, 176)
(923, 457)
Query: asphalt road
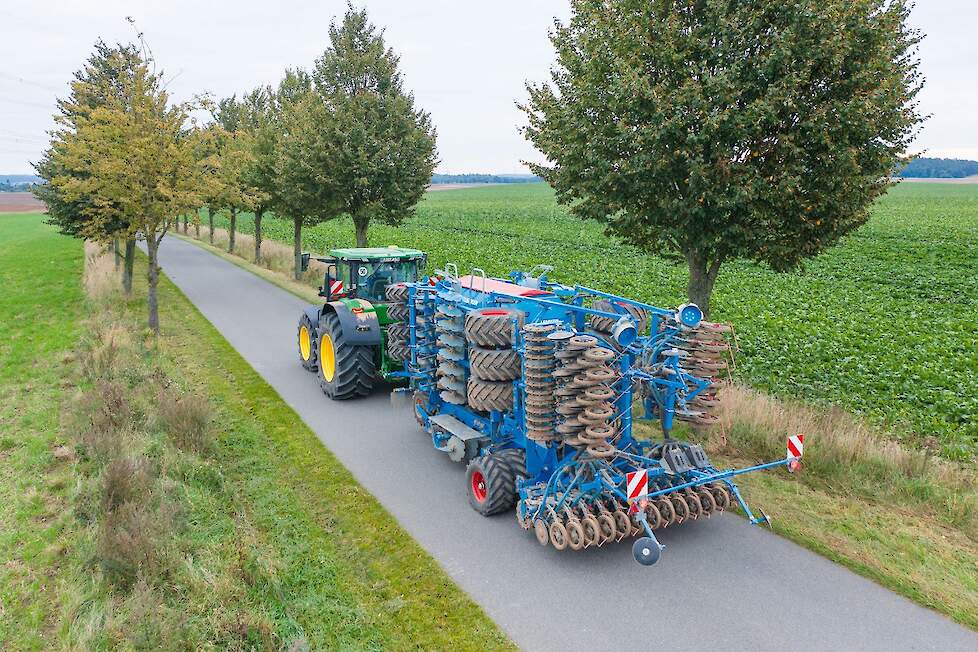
(720, 582)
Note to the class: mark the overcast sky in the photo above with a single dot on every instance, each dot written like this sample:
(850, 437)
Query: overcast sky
(465, 61)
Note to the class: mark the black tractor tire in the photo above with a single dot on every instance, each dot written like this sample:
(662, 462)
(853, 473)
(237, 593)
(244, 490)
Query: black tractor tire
(486, 395)
(312, 362)
(353, 368)
(396, 293)
(606, 324)
(492, 327)
(491, 483)
(494, 364)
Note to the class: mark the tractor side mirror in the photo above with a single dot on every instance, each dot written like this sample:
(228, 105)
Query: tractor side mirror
(304, 261)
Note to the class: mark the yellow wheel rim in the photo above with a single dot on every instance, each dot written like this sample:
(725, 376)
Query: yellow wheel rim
(327, 358)
(305, 345)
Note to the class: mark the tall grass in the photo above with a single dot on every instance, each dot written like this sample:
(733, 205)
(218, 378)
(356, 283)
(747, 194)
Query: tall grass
(850, 456)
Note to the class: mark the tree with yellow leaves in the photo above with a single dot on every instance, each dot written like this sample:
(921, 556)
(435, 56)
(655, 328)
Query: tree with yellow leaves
(133, 159)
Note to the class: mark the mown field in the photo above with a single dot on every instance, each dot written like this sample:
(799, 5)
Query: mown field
(885, 325)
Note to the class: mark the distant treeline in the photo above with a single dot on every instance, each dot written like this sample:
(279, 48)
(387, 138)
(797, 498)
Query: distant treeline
(14, 187)
(18, 182)
(939, 168)
(484, 178)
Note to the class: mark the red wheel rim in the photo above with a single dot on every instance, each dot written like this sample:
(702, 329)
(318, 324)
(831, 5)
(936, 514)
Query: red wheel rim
(479, 486)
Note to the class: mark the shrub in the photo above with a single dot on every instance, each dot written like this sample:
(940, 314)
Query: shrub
(126, 480)
(187, 420)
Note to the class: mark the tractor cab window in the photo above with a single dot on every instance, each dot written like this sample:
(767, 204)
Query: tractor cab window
(373, 278)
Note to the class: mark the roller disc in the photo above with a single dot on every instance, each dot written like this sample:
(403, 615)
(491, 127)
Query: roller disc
(707, 501)
(722, 497)
(609, 531)
(543, 534)
(695, 507)
(558, 535)
(592, 531)
(667, 511)
(680, 506)
(653, 516)
(622, 523)
(575, 535)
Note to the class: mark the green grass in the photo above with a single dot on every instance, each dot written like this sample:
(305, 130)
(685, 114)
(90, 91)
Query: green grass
(273, 544)
(40, 305)
(883, 325)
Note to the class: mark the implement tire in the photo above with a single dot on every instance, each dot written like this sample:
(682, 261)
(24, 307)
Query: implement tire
(491, 482)
(345, 370)
(606, 324)
(485, 395)
(494, 364)
(396, 293)
(308, 343)
(492, 327)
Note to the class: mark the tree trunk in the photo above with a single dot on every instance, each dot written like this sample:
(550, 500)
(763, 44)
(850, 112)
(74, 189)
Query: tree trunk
(297, 242)
(127, 267)
(361, 224)
(702, 277)
(152, 278)
(115, 250)
(259, 212)
(233, 226)
(185, 224)
(197, 227)
(210, 220)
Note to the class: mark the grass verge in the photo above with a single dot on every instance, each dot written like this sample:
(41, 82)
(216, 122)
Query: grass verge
(181, 504)
(900, 516)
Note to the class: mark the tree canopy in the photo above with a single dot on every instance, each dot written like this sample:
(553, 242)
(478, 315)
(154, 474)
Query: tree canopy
(381, 148)
(708, 130)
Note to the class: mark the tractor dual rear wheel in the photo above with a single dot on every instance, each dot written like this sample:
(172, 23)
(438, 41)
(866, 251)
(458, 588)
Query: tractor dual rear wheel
(345, 370)
(308, 344)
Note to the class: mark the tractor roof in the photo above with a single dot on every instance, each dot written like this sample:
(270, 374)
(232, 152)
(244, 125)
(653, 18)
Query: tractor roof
(371, 254)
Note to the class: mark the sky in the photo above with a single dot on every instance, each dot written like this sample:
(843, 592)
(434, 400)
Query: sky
(467, 63)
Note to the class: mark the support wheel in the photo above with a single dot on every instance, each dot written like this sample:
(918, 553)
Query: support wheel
(345, 370)
(492, 484)
(308, 343)
(543, 534)
(646, 551)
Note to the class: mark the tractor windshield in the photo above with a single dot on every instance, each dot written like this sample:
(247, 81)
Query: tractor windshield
(375, 277)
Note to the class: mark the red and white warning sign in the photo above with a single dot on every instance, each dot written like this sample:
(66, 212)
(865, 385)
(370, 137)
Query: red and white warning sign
(638, 484)
(336, 287)
(796, 445)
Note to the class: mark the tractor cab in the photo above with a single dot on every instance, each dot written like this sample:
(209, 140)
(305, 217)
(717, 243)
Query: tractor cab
(365, 273)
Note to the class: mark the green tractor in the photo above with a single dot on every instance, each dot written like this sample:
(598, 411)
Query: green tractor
(346, 339)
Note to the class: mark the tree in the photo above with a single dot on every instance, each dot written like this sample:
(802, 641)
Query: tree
(709, 130)
(261, 122)
(236, 157)
(138, 166)
(101, 80)
(303, 164)
(382, 148)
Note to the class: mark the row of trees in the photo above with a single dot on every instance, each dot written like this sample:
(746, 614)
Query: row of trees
(344, 139)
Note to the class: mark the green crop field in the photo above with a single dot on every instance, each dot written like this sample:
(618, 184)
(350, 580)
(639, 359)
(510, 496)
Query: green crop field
(885, 325)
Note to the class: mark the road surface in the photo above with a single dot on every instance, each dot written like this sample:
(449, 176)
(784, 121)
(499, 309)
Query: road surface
(720, 582)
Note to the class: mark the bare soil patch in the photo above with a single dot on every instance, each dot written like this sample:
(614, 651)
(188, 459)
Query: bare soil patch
(20, 202)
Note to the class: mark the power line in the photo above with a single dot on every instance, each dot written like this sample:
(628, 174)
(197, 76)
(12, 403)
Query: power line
(30, 82)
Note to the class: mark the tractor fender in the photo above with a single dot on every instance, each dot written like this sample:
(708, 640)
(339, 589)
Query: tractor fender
(358, 319)
(312, 312)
